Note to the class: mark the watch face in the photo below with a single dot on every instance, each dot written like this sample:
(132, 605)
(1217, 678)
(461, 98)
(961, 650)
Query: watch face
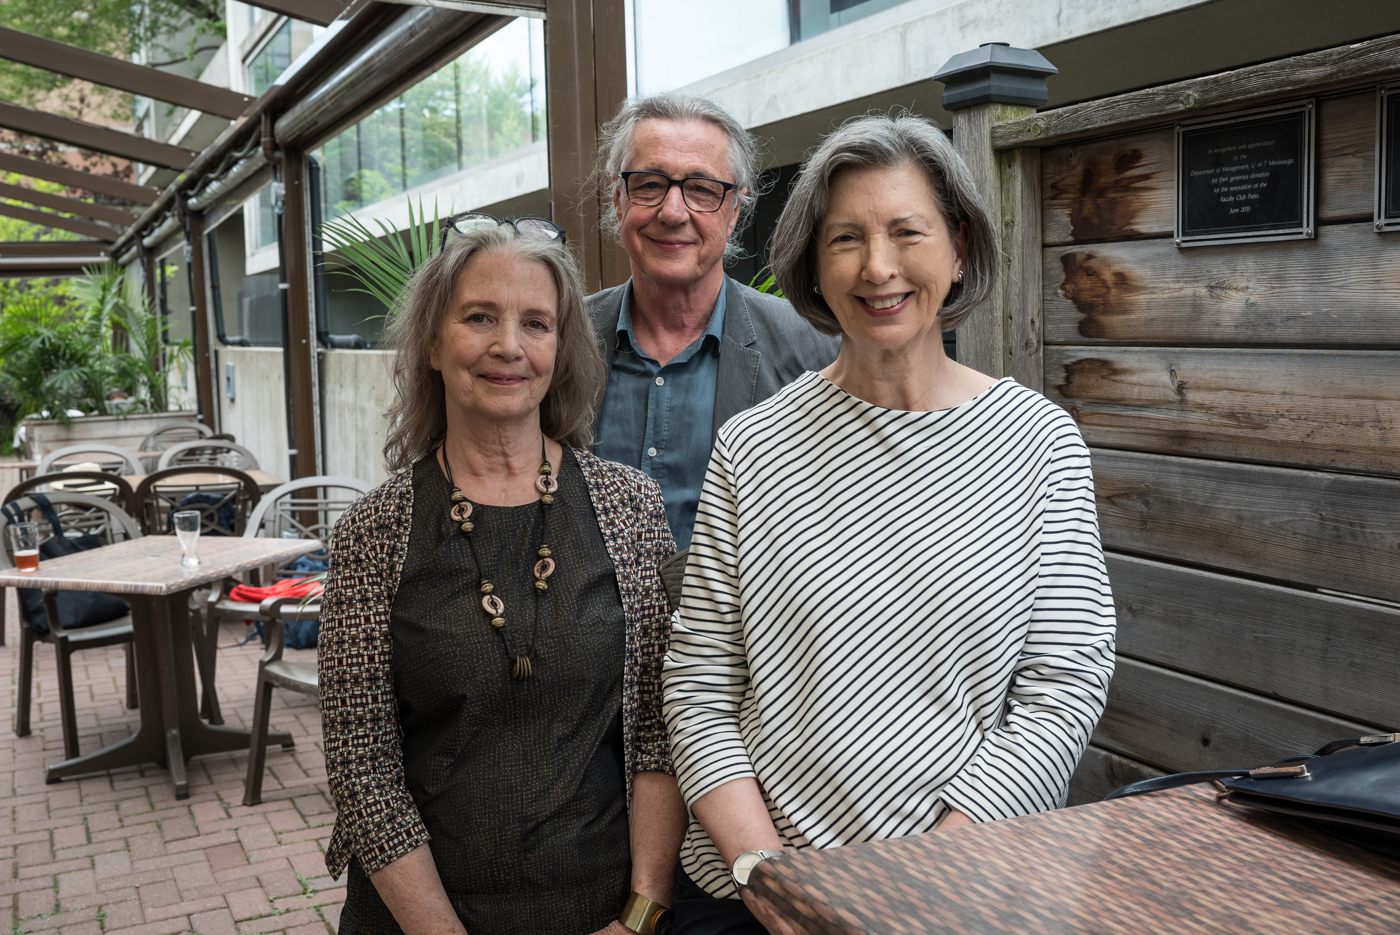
(744, 864)
(663, 923)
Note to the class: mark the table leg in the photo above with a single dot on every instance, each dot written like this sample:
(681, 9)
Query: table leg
(147, 745)
(171, 730)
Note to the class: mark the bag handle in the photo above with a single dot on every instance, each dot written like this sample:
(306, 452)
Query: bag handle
(1171, 782)
(43, 503)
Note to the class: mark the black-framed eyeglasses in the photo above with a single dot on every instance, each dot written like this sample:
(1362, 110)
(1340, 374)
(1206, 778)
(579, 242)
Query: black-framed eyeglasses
(649, 189)
(532, 228)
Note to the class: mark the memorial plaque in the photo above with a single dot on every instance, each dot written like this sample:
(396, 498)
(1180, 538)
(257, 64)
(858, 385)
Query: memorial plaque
(1245, 177)
(1388, 159)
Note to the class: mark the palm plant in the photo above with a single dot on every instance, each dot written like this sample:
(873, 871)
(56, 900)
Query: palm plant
(765, 281)
(52, 359)
(74, 356)
(130, 332)
(383, 263)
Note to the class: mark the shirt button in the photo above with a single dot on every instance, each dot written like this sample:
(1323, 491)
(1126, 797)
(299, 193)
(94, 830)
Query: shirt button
(660, 381)
(651, 452)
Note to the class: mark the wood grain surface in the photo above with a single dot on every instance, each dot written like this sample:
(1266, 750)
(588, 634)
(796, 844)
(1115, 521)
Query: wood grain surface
(1338, 410)
(1169, 863)
(1362, 64)
(151, 565)
(1124, 187)
(1337, 531)
(1336, 655)
(1181, 723)
(1341, 289)
(1101, 771)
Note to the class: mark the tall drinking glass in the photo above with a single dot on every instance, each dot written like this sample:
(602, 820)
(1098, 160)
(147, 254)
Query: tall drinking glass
(24, 537)
(187, 531)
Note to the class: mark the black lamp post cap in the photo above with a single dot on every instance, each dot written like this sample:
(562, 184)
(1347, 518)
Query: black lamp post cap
(995, 72)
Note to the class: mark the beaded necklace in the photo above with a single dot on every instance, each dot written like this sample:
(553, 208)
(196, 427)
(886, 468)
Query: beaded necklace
(461, 513)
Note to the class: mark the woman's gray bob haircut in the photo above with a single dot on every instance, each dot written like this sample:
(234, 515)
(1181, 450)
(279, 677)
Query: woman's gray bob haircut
(615, 147)
(418, 417)
(879, 140)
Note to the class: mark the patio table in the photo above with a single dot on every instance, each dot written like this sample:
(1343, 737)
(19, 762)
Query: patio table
(1161, 864)
(147, 573)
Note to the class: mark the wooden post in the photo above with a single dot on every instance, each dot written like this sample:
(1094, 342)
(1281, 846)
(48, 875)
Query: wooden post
(301, 346)
(984, 87)
(585, 81)
(206, 382)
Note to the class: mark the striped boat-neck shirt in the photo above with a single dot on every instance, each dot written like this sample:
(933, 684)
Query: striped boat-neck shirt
(889, 613)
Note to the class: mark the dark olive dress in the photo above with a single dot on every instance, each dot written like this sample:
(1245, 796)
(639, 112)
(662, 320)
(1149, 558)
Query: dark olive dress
(520, 783)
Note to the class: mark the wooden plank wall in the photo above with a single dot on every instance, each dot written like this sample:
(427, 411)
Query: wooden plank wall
(1243, 407)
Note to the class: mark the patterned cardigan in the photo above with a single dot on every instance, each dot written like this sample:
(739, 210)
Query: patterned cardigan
(377, 820)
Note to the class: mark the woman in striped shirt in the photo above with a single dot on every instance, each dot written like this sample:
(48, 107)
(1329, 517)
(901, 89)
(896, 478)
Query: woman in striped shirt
(896, 615)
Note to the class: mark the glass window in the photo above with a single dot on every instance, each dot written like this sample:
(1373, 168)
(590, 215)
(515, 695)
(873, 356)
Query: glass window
(815, 17)
(278, 53)
(264, 220)
(486, 104)
(673, 44)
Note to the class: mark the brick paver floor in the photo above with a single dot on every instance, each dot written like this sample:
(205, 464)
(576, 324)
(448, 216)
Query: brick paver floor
(116, 853)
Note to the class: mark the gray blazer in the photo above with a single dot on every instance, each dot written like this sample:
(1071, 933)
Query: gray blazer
(765, 346)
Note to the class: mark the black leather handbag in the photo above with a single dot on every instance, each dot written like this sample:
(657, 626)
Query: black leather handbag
(76, 609)
(1350, 788)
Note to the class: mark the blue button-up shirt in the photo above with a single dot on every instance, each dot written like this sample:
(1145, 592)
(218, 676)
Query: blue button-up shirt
(659, 418)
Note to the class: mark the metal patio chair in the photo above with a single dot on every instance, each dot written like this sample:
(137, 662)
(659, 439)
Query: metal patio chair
(207, 451)
(276, 672)
(224, 498)
(163, 438)
(306, 508)
(109, 458)
(78, 514)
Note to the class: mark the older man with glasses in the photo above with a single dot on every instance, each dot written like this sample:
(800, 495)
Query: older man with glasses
(687, 346)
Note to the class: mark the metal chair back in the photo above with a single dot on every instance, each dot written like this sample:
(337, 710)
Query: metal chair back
(112, 487)
(307, 506)
(208, 451)
(160, 494)
(112, 460)
(163, 438)
(79, 514)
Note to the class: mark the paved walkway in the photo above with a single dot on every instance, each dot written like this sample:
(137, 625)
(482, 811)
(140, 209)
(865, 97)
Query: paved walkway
(116, 853)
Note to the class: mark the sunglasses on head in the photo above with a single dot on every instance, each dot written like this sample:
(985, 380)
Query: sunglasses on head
(533, 228)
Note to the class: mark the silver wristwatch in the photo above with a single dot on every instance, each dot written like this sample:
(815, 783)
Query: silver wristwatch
(745, 862)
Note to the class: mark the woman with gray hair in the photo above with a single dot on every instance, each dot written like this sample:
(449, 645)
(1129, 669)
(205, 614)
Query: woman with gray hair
(493, 624)
(896, 615)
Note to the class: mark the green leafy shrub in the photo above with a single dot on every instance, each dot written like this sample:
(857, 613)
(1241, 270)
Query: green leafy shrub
(85, 353)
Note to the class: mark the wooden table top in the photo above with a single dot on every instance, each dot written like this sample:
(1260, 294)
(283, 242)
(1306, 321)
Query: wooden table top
(192, 479)
(151, 565)
(1169, 863)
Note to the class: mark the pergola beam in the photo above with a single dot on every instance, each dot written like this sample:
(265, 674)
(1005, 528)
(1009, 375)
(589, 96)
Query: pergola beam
(320, 12)
(58, 221)
(50, 248)
(70, 205)
(91, 136)
(47, 267)
(124, 76)
(75, 178)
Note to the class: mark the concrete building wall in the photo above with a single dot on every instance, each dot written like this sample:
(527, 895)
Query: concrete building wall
(356, 391)
(257, 414)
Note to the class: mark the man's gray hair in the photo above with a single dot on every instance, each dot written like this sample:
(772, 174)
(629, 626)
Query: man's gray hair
(880, 140)
(615, 147)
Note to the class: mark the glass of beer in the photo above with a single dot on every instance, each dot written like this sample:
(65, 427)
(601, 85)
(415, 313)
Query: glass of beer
(24, 537)
(187, 531)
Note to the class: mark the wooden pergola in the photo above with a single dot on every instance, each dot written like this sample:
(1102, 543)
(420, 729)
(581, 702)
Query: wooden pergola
(370, 52)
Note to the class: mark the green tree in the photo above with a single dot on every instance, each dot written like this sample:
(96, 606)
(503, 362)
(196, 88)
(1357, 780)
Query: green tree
(169, 31)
